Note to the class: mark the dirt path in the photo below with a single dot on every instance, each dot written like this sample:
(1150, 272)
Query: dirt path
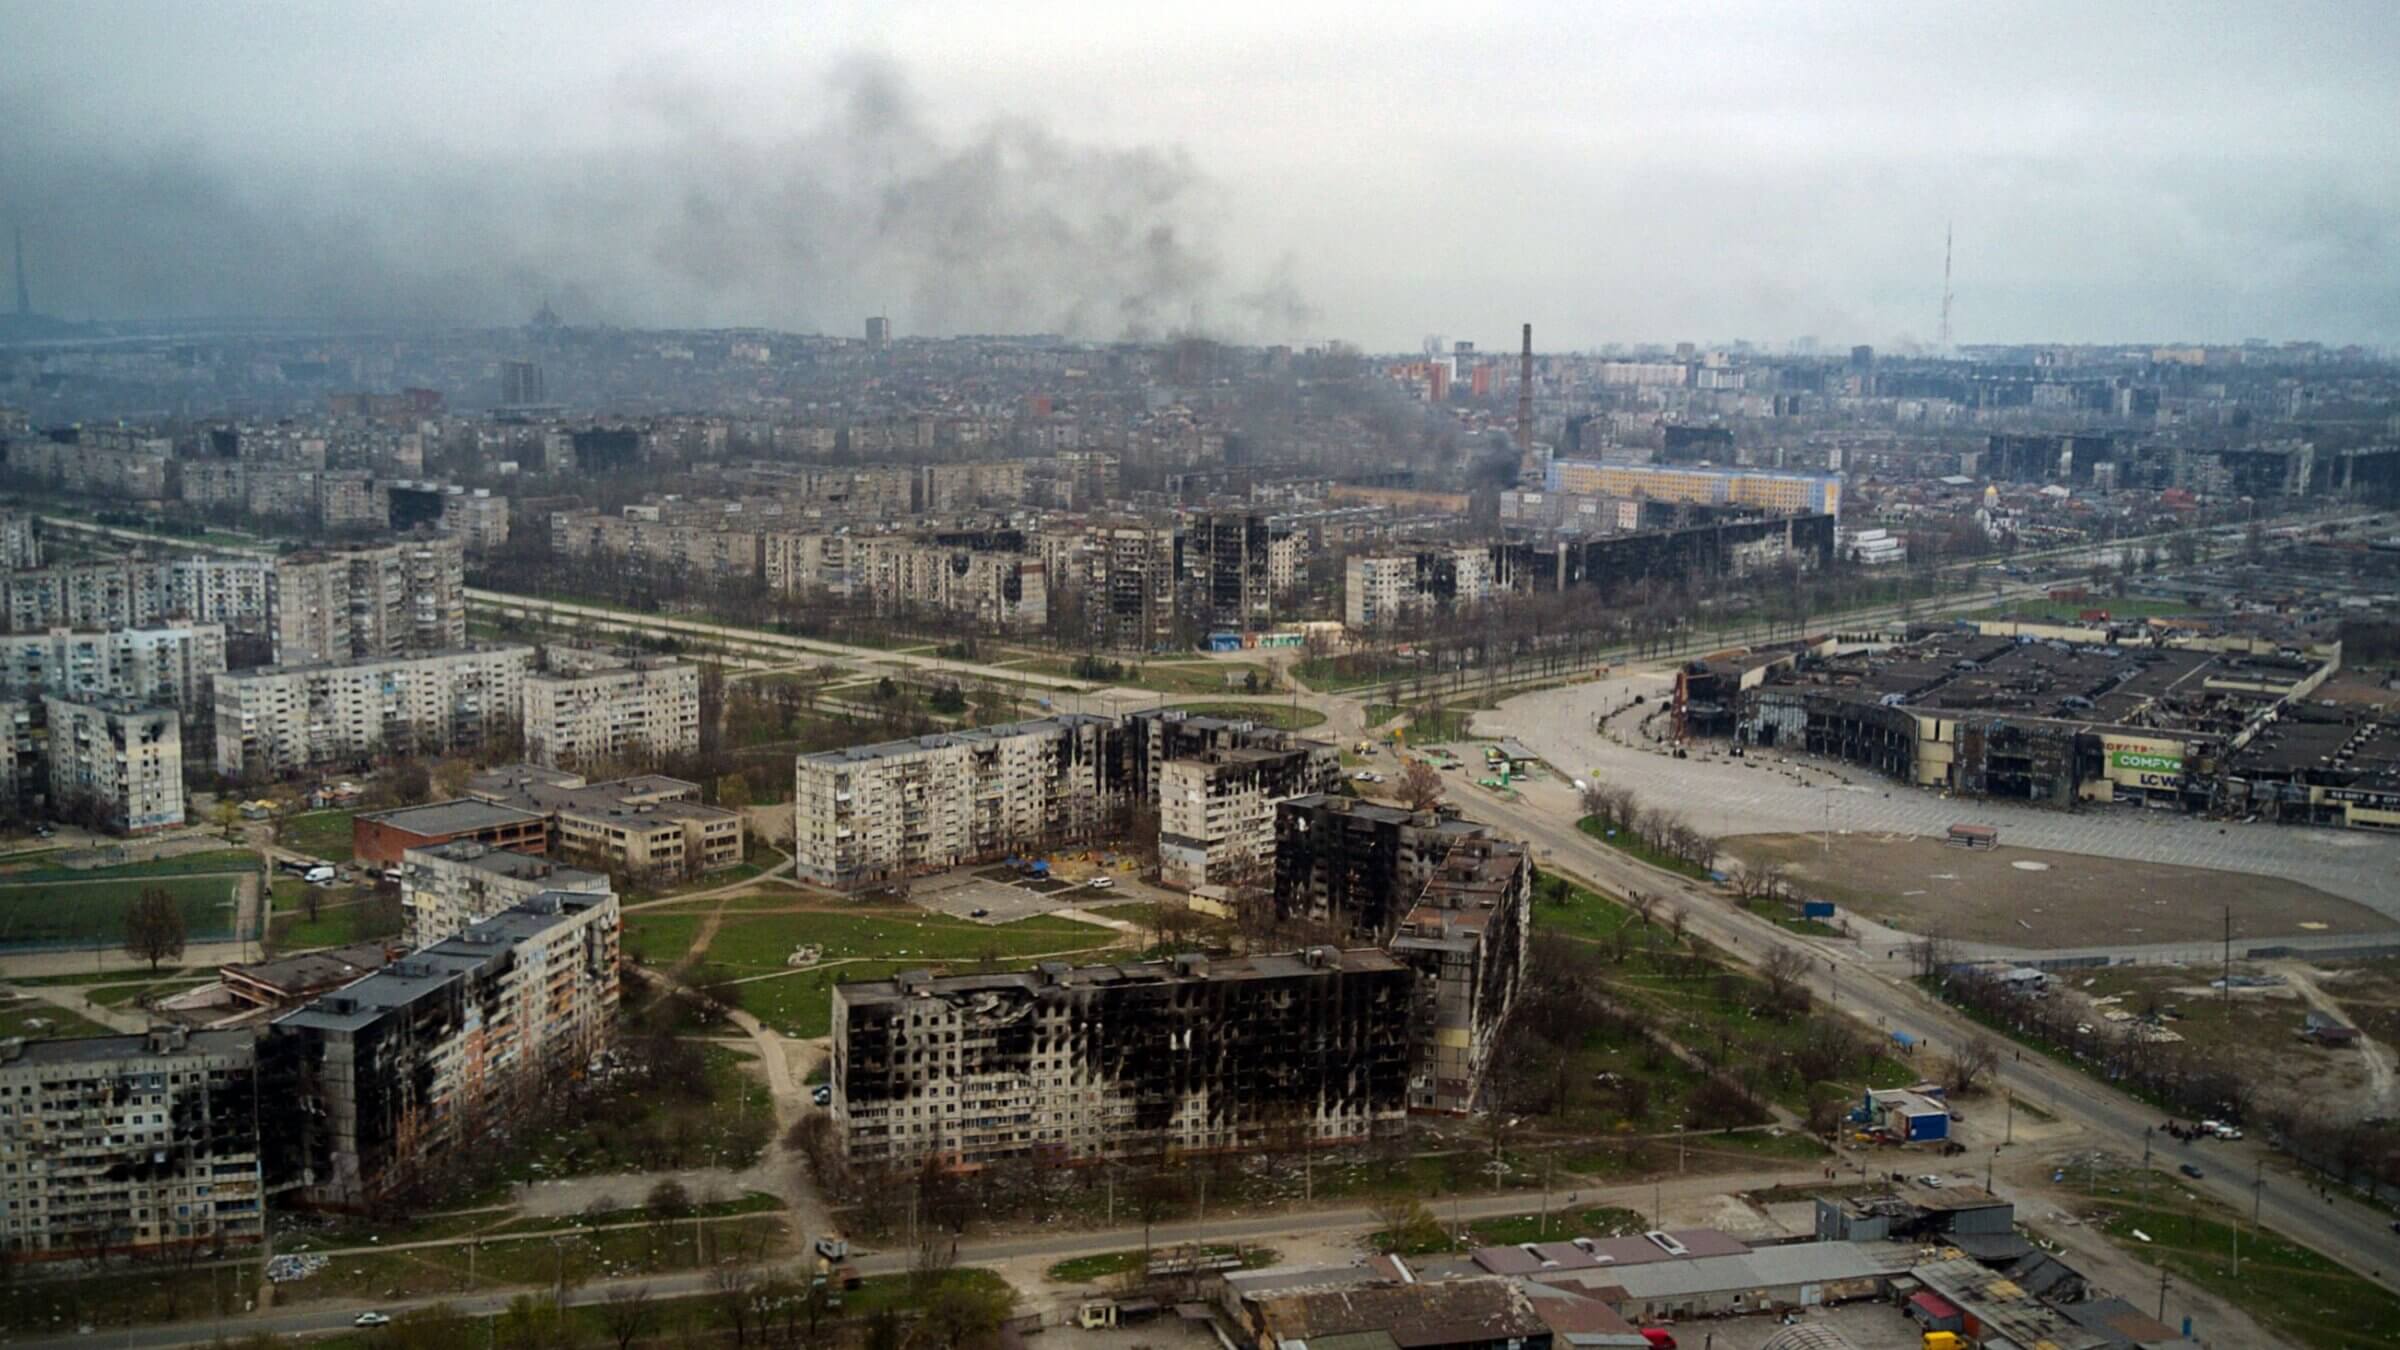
(72, 999)
(2374, 1055)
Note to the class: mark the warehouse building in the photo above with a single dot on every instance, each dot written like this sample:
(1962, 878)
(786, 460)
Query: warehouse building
(2036, 717)
(1071, 1064)
(384, 837)
(648, 825)
(429, 1057)
(130, 1144)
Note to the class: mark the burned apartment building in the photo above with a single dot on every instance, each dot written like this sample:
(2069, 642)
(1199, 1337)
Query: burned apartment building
(1720, 549)
(1467, 937)
(130, 1145)
(1358, 867)
(1082, 1064)
(2020, 712)
(403, 1074)
(1234, 565)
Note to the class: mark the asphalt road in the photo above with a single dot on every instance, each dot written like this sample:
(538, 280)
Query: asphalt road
(2343, 1230)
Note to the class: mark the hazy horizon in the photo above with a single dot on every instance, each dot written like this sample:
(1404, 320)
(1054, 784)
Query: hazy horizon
(1377, 175)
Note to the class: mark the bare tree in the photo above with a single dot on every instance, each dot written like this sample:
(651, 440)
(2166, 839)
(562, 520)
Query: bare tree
(1977, 1057)
(1785, 967)
(1421, 786)
(627, 1313)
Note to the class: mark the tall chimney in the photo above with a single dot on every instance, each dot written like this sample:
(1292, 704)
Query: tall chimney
(1525, 395)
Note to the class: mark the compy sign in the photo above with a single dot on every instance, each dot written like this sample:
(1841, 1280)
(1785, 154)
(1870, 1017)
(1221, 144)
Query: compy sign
(2143, 766)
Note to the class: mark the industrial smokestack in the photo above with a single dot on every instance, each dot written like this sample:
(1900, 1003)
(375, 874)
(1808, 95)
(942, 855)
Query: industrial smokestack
(1525, 395)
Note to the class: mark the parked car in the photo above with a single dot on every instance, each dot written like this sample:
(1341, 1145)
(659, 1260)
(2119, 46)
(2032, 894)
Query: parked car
(2191, 1170)
(1101, 883)
(370, 1319)
(979, 912)
(822, 1095)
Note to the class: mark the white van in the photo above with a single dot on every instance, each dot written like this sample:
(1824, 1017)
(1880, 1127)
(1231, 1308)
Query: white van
(319, 875)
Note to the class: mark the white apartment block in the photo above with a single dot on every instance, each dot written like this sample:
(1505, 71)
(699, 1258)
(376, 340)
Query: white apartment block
(446, 888)
(1216, 809)
(873, 812)
(171, 666)
(281, 719)
(640, 711)
(478, 517)
(1379, 589)
(117, 1144)
(400, 599)
(20, 540)
(123, 756)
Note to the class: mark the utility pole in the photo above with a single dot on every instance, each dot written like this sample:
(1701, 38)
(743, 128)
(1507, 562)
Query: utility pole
(2162, 1296)
(2012, 1119)
(2258, 1182)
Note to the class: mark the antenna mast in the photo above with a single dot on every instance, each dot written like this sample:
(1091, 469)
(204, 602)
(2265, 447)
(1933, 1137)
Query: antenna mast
(1945, 336)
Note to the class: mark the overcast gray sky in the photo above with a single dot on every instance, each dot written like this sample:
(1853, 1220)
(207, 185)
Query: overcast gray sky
(1286, 171)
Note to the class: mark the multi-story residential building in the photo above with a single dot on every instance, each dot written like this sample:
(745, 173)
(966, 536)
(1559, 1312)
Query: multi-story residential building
(449, 887)
(1785, 493)
(123, 759)
(129, 1144)
(18, 760)
(1216, 809)
(1468, 937)
(20, 540)
(1233, 566)
(647, 825)
(1381, 588)
(1000, 589)
(478, 516)
(400, 599)
(1358, 865)
(1070, 1065)
(127, 468)
(873, 812)
(137, 592)
(639, 711)
(659, 538)
(1129, 588)
(280, 719)
(235, 592)
(427, 1058)
(170, 665)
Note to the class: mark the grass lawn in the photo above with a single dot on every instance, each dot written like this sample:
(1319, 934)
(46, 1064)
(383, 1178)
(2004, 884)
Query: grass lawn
(2290, 1289)
(755, 944)
(130, 1296)
(126, 995)
(1624, 842)
(502, 1262)
(1428, 725)
(1604, 1221)
(86, 911)
(800, 1004)
(203, 863)
(634, 1130)
(319, 834)
(1285, 715)
(20, 1018)
(345, 916)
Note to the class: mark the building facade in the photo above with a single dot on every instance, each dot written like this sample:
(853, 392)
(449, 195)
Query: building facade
(640, 711)
(400, 599)
(121, 757)
(1216, 809)
(448, 888)
(434, 1054)
(129, 1145)
(281, 719)
(1079, 1065)
(649, 825)
(1379, 589)
(171, 665)
(871, 813)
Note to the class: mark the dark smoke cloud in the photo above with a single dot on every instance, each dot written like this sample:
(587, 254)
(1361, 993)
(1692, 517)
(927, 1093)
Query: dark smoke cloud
(691, 220)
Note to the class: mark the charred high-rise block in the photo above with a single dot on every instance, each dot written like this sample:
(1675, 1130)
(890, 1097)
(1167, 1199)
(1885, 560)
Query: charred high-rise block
(392, 1077)
(1467, 938)
(1358, 865)
(1082, 1064)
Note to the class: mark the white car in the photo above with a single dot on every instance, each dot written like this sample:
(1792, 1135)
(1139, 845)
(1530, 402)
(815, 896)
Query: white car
(1101, 883)
(370, 1319)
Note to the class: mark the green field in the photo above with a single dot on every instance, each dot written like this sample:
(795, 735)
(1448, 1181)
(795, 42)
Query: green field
(17, 1018)
(1285, 715)
(758, 944)
(346, 916)
(319, 834)
(634, 1130)
(2290, 1289)
(88, 912)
